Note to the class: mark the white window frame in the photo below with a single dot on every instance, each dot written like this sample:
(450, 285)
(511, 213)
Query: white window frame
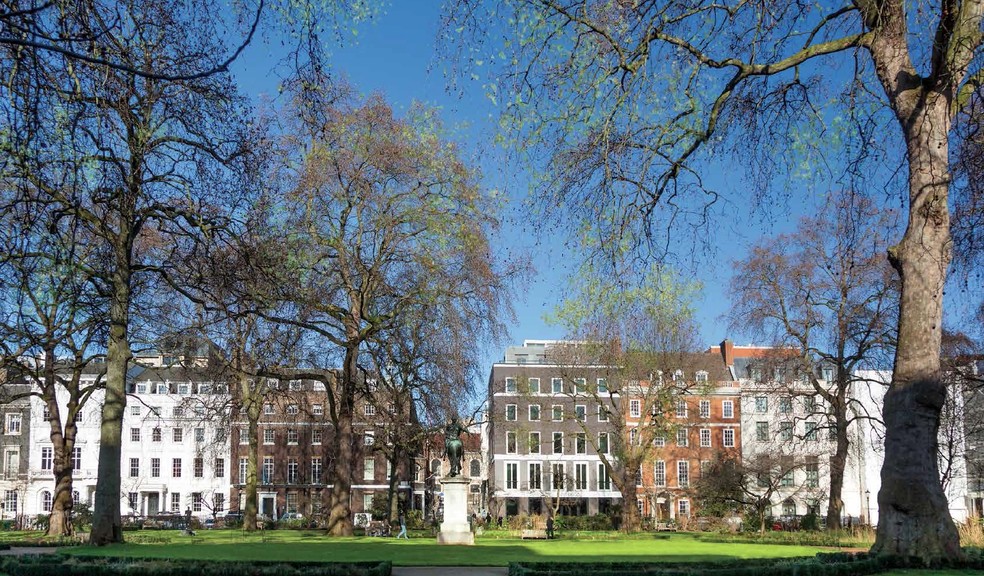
(13, 425)
(635, 408)
(683, 437)
(604, 478)
(555, 410)
(659, 474)
(511, 412)
(530, 412)
(606, 444)
(727, 409)
(580, 475)
(512, 475)
(601, 385)
(705, 437)
(534, 475)
(535, 447)
(556, 385)
(761, 404)
(510, 385)
(705, 409)
(683, 473)
(512, 446)
(681, 408)
(728, 438)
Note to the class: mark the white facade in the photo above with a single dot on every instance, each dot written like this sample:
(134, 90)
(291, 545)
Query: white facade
(175, 453)
(862, 476)
(40, 480)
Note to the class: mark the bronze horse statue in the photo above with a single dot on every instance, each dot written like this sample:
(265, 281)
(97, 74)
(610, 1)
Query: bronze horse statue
(453, 448)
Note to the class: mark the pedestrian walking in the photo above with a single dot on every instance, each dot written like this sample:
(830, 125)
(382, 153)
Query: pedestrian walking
(403, 527)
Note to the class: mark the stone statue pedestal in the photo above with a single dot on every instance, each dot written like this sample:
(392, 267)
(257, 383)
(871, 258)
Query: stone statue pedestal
(455, 528)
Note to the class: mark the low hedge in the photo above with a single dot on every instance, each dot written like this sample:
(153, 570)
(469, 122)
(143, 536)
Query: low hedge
(805, 538)
(50, 543)
(103, 566)
(824, 564)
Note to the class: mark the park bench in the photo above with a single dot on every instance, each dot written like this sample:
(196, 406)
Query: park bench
(378, 528)
(665, 527)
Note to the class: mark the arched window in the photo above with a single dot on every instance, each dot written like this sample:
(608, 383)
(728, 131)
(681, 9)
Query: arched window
(789, 508)
(46, 501)
(436, 466)
(475, 469)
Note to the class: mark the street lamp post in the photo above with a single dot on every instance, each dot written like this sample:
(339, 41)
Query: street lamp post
(867, 506)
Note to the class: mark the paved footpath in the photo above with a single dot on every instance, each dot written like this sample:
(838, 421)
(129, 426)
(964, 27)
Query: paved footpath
(450, 571)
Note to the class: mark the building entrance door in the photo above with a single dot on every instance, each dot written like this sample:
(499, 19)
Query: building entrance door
(153, 503)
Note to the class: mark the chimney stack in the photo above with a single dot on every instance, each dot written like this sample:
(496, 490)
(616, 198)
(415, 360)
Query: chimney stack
(728, 352)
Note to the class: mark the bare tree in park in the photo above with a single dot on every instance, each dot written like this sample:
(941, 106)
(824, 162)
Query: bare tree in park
(132, 147)
(392, 219)
(748, 483)
(629, 362)
(624, 101)
(51, 331)
(827, 292)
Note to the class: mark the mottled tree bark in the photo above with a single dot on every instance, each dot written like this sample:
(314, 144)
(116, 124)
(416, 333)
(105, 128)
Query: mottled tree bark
(107, 526)
(914, 519)
(253, 406)
(631, 521)
(340, 515)
(838, 461)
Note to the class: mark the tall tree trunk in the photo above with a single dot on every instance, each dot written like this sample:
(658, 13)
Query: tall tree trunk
(340, 517)
(914, 519)
(107, 526)
(253, 457)
(60, 520)
(838, 462)
(394, 480)
(631, 522)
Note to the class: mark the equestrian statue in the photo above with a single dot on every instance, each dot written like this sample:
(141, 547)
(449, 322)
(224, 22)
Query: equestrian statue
(453, 448)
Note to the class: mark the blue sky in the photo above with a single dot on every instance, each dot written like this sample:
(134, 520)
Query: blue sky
(394, 55)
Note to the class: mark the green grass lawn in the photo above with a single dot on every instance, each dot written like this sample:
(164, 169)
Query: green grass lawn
(424, 551)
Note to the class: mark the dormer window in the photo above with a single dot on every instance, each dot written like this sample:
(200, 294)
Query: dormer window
(701, 376)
